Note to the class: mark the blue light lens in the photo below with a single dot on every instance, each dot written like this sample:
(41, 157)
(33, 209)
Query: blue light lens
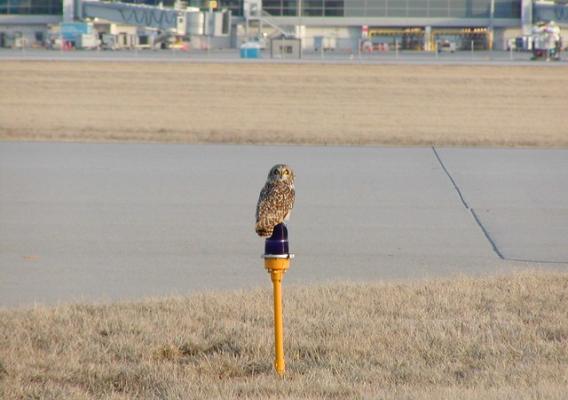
(277, 244)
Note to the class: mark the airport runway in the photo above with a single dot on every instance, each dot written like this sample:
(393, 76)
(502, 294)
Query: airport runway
(97, 222)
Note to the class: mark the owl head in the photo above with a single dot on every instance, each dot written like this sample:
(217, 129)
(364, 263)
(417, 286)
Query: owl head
(282, 173)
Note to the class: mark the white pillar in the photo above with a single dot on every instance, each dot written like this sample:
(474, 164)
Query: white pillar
(427, 38)
(68, 10)
(300, 33)
(527, 16)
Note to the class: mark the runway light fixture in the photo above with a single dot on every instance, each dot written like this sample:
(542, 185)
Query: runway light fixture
(276, 261)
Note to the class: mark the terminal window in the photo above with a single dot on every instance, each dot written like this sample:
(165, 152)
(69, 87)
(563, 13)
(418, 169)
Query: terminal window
(396, 8)
(36, 7)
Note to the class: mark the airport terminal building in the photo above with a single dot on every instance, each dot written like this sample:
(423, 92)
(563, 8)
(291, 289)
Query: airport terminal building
(411, 24)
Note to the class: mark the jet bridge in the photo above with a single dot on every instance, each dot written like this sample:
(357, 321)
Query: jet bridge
(187, 21)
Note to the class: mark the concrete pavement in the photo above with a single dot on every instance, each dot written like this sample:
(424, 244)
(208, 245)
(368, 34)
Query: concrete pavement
(520, 198)
(99, 222)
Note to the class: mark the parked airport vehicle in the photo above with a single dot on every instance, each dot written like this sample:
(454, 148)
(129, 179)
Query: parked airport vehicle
(547, 42)
(446, 46)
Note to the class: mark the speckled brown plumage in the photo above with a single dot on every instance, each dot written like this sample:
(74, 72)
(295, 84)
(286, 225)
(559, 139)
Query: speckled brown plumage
(276, 199)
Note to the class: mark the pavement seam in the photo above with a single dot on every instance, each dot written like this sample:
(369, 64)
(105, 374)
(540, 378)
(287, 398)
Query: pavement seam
(487, 235)
(467, 207)
(456, 187)
(524, 260)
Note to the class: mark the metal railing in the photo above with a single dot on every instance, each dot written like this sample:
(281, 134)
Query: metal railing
(266, 18)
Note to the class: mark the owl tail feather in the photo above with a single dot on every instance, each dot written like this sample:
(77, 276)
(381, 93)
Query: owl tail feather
(263, 231)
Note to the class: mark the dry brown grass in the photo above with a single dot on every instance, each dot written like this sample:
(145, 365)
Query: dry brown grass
(303, 104)
(483, 338)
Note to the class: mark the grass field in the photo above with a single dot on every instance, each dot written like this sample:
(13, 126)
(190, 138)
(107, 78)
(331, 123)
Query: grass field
(300, 104)
(466, 338)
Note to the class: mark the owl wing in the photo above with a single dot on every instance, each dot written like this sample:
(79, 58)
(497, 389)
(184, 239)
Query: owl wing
(274, 203)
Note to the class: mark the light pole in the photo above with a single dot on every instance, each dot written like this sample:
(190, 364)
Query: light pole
(491, 24)
(299, 28)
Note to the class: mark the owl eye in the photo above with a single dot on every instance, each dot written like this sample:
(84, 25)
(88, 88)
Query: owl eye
(286, 172)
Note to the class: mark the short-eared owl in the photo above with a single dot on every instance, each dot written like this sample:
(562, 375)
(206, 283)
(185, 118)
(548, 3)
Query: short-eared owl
(276, 199)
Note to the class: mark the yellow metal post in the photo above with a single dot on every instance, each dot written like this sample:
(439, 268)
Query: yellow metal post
(276, 267)
(279, 364)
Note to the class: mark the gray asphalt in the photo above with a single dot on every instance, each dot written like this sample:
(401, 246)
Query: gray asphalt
(495, 58)
(100, 222)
